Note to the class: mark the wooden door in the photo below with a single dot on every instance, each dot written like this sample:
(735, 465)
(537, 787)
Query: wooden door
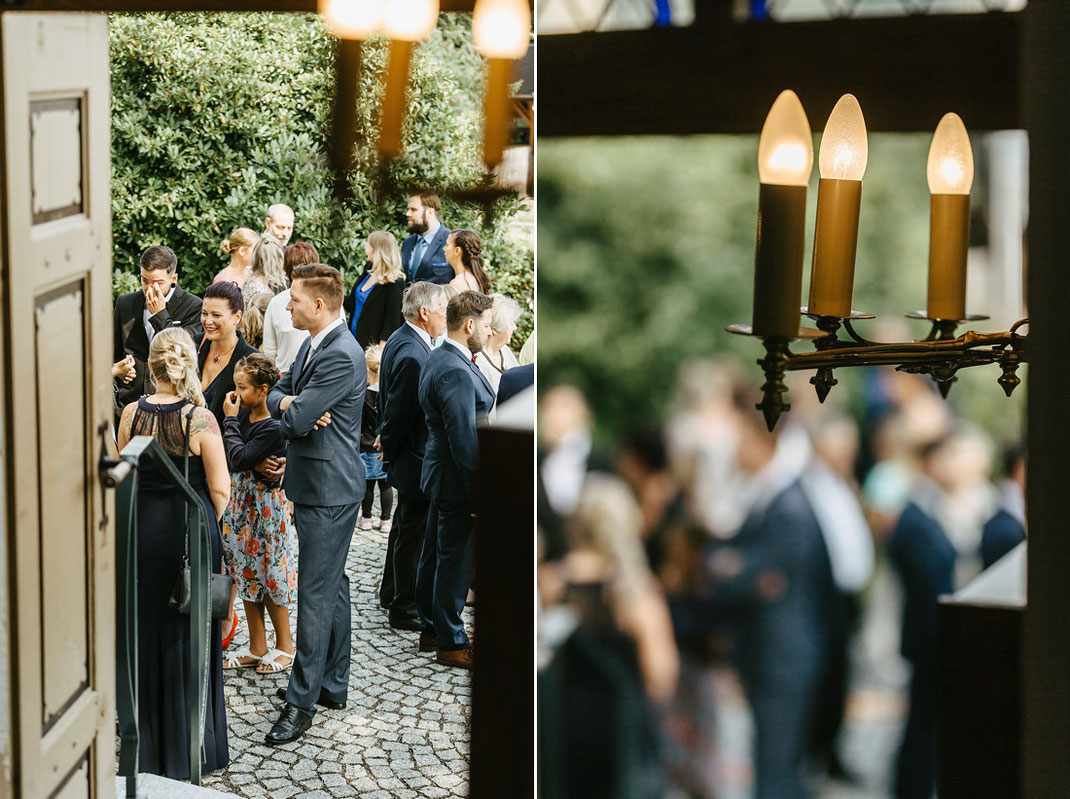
(55, 328)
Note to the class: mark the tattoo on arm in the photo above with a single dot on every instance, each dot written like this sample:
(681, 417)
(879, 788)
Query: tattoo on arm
(204, 421)
(126, 423)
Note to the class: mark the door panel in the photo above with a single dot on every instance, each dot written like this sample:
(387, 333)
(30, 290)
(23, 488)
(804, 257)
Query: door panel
(56, 323)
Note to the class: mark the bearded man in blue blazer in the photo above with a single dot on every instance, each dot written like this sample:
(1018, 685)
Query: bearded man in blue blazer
(455, 396)
(422, 253)
(319, 403)
(402, 437)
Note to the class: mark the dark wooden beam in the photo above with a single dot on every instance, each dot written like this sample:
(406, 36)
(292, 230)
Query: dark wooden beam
(188, 5)
(720, 76)
(1046, 647)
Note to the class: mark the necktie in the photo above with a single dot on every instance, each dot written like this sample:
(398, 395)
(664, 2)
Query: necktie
(473, 360)
(417, 256)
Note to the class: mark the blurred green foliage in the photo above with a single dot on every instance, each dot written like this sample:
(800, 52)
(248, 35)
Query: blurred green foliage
(217, 116)
(646, 253)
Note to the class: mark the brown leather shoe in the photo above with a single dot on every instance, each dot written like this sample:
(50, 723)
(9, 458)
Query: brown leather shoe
(461, 658)
(428, 642)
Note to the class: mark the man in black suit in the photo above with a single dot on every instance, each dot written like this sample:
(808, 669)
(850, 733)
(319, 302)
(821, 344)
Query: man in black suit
(402, 437)
(454, 395)
(422, 256)
(140, 315)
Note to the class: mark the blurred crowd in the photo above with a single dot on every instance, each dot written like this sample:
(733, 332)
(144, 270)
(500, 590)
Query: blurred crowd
(707, 555)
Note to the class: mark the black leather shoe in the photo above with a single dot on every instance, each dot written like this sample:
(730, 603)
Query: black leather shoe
(404, 622)
(292, 724)
(323, 701)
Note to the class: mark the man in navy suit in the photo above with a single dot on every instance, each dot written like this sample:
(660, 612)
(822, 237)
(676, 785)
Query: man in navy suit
(402, 437)
(1006, 529)
(454, 395)
(925, 559)
(422, 254)
(319, 402)
(775, 581)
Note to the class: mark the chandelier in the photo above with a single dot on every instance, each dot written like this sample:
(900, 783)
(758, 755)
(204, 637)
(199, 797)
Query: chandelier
(785, 160)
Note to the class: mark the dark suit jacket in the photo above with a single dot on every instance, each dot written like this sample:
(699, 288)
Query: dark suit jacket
(925, 560)
(455, 396)
(1000, 535)
(224, 382)
(183, 310)
(432, 267)
(514, 381)
(323, 467)
(403, 429)
(783, 641)
(381, 314)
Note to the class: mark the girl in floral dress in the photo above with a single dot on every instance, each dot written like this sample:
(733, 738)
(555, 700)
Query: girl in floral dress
(258, 539)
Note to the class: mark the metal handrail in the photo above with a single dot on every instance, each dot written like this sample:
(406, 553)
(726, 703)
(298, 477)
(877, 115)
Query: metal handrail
(116, 475)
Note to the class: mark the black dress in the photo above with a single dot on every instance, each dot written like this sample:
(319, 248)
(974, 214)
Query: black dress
(223, 383)
(163, 634)
(597, 734)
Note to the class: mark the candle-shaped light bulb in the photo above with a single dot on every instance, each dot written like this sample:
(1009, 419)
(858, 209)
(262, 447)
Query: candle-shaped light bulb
(950, 166)
(844, 144)
(842, 161)
(352, 19)
(786, 148)
(785, 160)
(410, 20)
(501, 31)
(501, 28)
(950, 174)
(404, 21)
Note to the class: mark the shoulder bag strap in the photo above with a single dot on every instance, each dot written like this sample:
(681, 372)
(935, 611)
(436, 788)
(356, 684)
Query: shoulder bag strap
(185, 474)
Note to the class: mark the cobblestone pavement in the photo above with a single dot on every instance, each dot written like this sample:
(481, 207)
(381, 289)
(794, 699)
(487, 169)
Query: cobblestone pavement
(404, 733)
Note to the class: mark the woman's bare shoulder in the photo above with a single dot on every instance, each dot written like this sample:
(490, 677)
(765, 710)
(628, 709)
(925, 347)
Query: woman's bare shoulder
(202, 420)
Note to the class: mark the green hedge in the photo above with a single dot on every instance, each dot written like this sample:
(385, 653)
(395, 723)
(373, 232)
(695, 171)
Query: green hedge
(217, 116)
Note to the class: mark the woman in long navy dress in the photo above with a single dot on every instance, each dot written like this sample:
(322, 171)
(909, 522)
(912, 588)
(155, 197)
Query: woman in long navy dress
(163, 633)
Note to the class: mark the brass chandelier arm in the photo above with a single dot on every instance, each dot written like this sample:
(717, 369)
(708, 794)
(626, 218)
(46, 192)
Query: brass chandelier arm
(939, 356)
(918, 352)
(841, 358)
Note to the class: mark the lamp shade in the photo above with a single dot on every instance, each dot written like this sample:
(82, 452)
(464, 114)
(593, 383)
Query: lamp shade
(844, 144)
(501, 28)
(410, 20)
(352, 19)
(785, 148)
(950, 166)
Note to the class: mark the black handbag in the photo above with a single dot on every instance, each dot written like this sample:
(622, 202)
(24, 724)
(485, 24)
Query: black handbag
(219, 584)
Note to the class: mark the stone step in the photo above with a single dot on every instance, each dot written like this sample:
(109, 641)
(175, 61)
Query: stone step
(151, 786)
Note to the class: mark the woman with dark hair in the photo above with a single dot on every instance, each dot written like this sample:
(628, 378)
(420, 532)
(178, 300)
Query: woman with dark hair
(464, 252)
(374, 305)
(223, 344)
(222, 348)
(281, 340)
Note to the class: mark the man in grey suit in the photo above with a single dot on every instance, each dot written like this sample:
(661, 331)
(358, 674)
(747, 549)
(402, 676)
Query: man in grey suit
(319, 402)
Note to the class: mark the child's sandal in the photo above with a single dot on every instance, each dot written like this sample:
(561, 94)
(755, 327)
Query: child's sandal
(269, 664)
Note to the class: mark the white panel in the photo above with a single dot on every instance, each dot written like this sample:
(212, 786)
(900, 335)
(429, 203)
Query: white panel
(60, 348)
(56, 158)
